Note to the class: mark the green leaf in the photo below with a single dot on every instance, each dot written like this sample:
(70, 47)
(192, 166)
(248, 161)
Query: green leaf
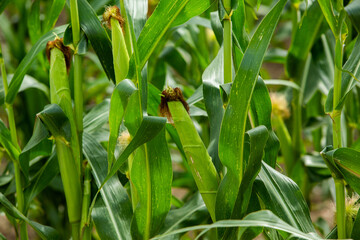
(151, 176)
(238, 19)
(28, 83)
(112, 212)
(28, 60)
(213, 77)
(43, 231)
(345, 162)
(138, 11)
(256, 219)
(257, 139)
(261, 112)
(282, 196)
(53, 14)
(118, 104)
(33, 22)
(44, 177)
(5, 140)
(347, 82)
(328, 11)
(149, 128)
(3, 5)
(233, 125)
(98, 37)
(193, 8)
(303, 41)
(156, 26)
(182, 217)
(58, 125)
(38, 145)
(97, 117)
(285, 83)
(353, 10)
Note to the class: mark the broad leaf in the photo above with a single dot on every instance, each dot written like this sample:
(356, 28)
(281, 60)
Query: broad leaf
(28, 60)
(43, 231)
(118, 104)
(156, 26)
(282, 196)
(98, 37)
(344, 162)
(112, 212)
(232, 132)
(256, 219)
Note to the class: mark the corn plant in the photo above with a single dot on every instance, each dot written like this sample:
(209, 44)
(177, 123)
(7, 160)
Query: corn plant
(179, 119)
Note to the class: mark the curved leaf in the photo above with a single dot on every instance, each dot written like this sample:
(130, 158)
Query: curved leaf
(44, 232)
(118, 104)
(213, 77)
(282, 196)
(193, 8)
(98, 37)
(345, 161)
(27, 61)
(151, 176)
(112, 212)
(256, 219)
(233, 125)
(156, 26)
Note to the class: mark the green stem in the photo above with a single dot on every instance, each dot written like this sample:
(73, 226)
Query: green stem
(75, 231)
(340, 208)
(78, 98)
(12, 126)
(227, 50)
(86, 202)
(78, 92)
(336, 115)
(20, 199)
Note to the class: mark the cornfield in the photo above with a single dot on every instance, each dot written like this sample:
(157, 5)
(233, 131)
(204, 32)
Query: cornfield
(180, 119)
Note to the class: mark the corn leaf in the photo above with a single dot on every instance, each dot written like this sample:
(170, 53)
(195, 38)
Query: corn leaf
(213, 77)
(138, 11)
(261, 110)
(119, 101)
(33, 22)
(156, 26)
(44, 177)
(151, 176)
(353, 9)
(38, 145)
(192, 8)
(282, 196)
(257, 219)
(256, 140)
(112, 212)
(28, 60)
(347, 81)
(328, 11)
(5, 140)
(3, 5)
(234, 121)
(98, 37)
(53, 14)
(303, 41)
(44, 232)
(345, 161)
